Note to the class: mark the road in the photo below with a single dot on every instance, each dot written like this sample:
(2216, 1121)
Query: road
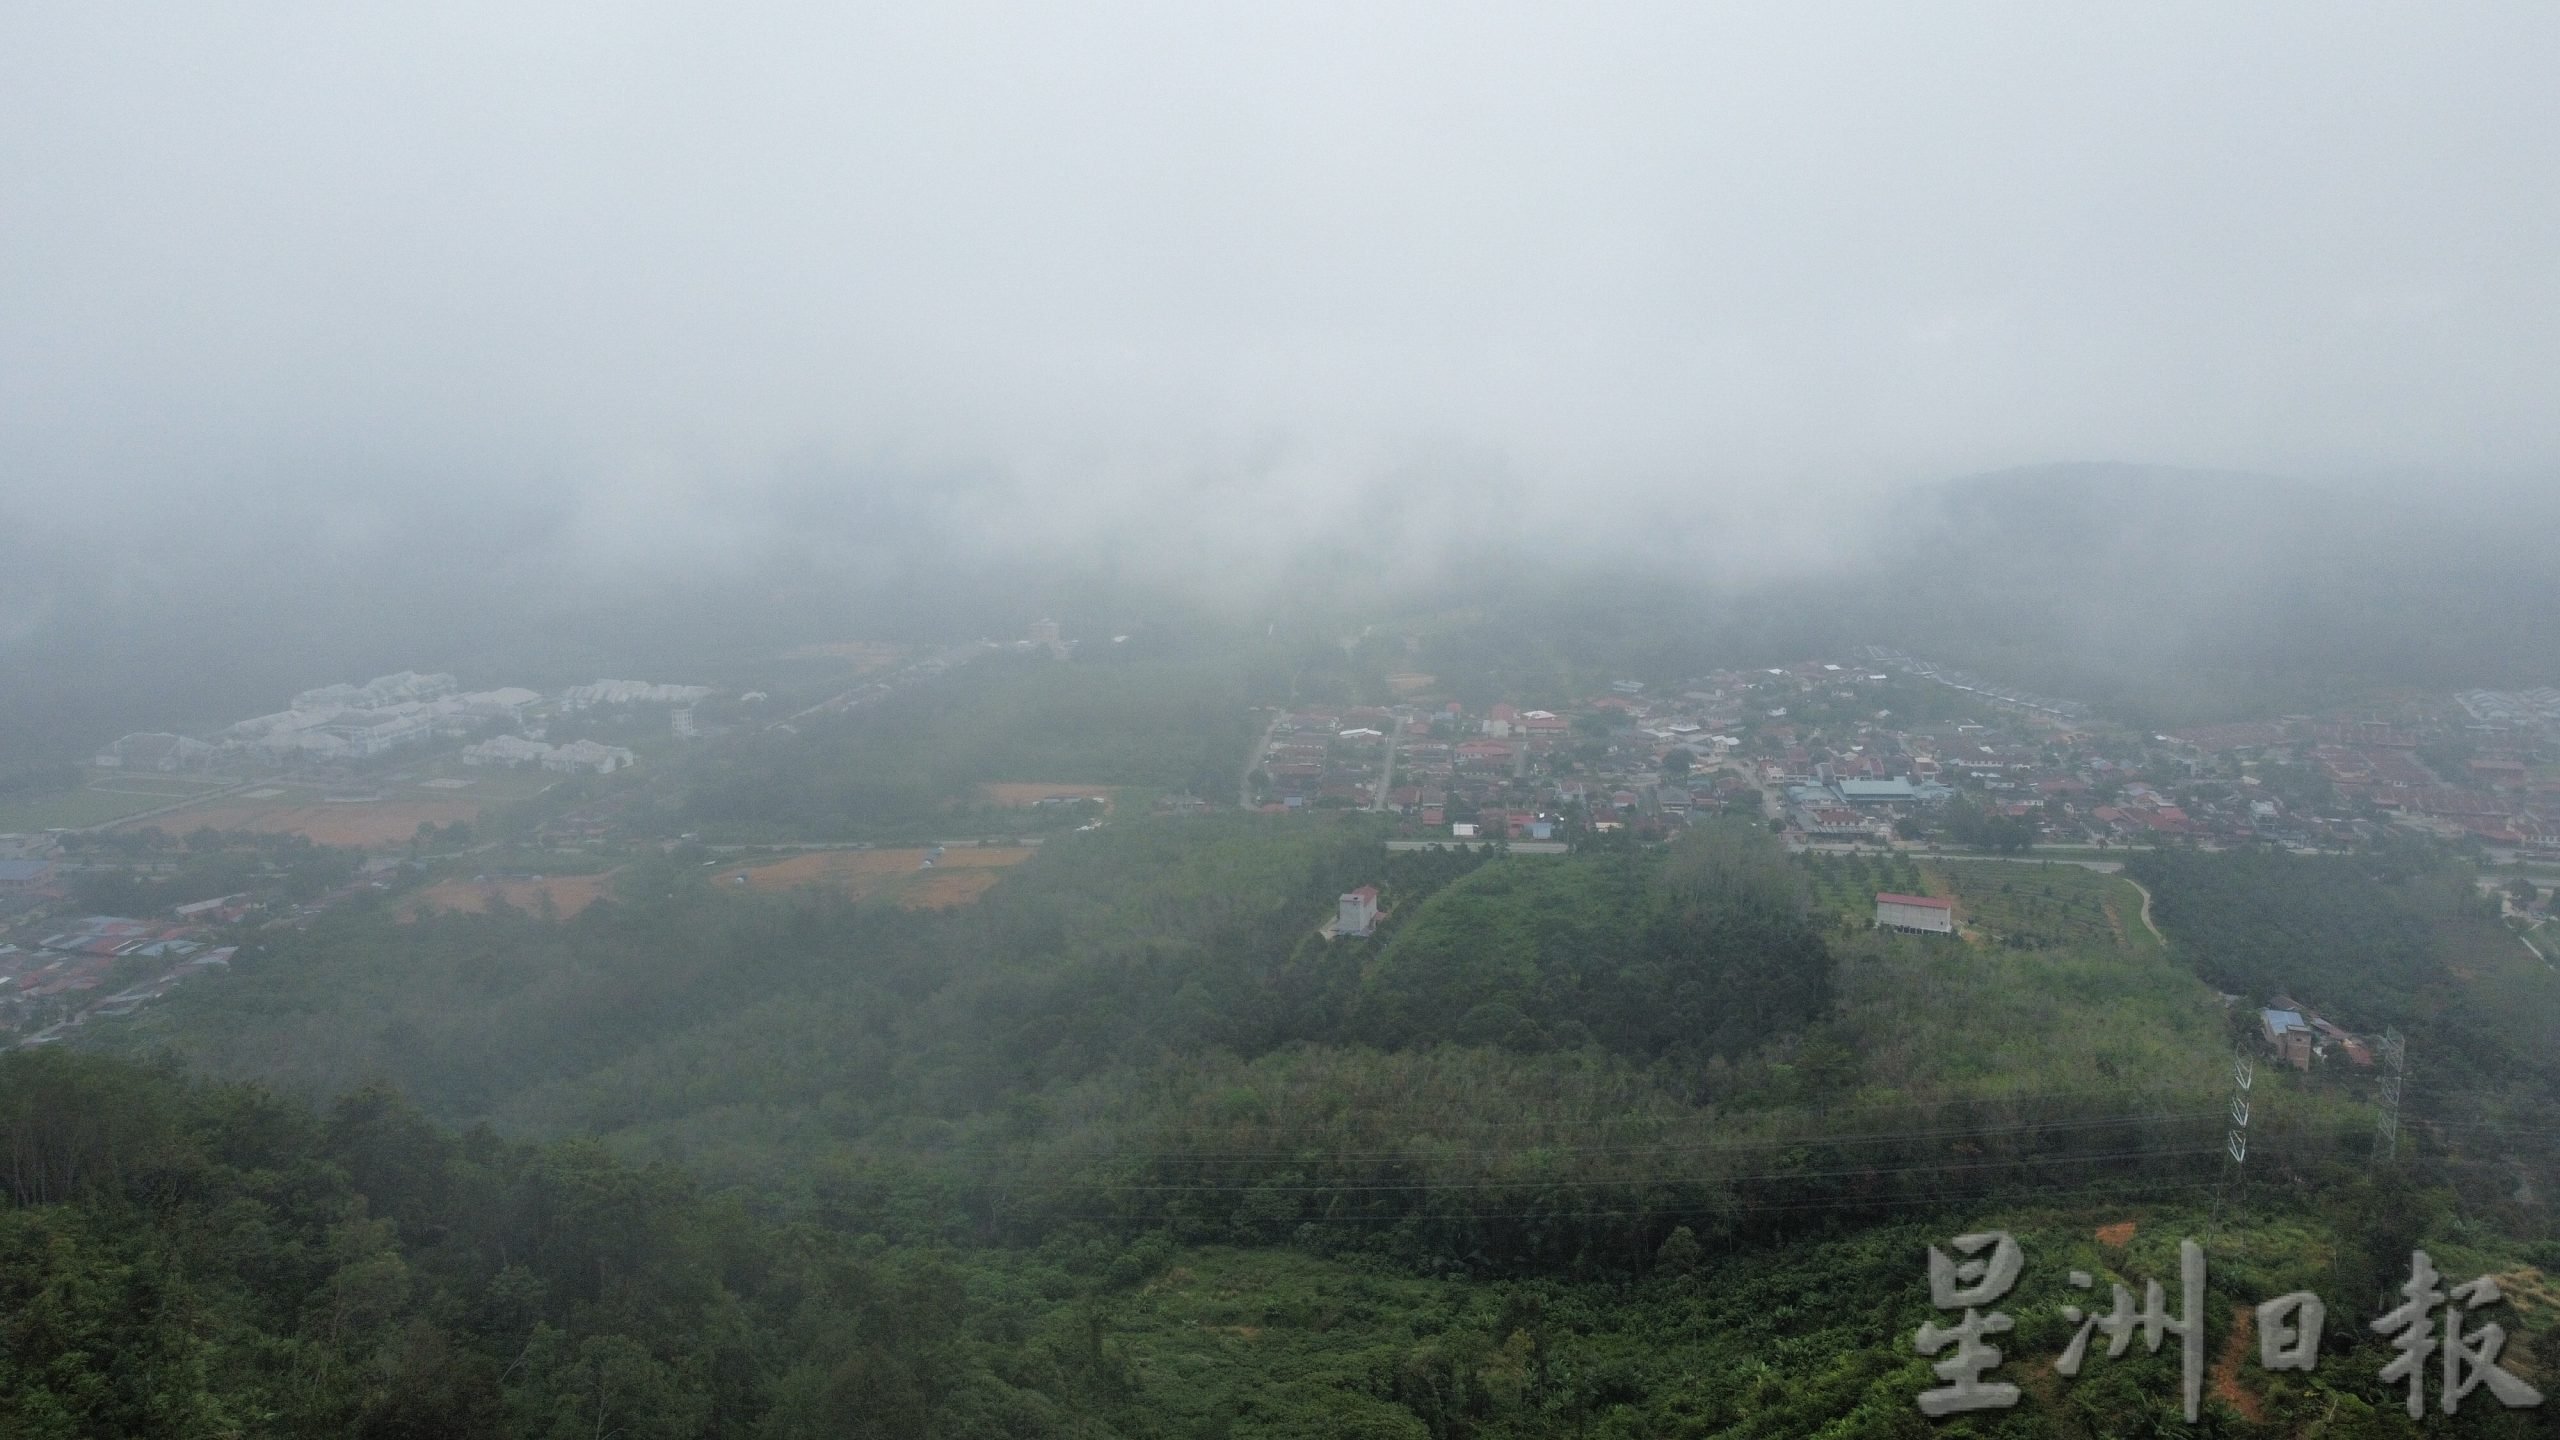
(1253, 761)
(941, 662)
(1387, 777)
(2146, 909)
(2103, 867)
(802, 846)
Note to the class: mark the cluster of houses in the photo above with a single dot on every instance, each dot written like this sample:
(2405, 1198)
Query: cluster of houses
(577, 757)
(1895, 749)
(30, 872)
(2043, 764)
(1820, 747)
(2480, 777)
(1501, 772)
(346, 722)
(1324, 756)
(54, 977)
(26, 875)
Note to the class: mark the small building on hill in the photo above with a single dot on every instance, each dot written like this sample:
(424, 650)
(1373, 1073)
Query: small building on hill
(1915, 914)
(2288, 1035)
(1359, 912)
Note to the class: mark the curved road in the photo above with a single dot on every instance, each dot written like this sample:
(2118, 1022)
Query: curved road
(2146, 909)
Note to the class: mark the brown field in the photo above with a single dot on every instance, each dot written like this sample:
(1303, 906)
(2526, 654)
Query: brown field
(1024, 794)
(960, 876)
(365, 825)
(569, 895)
(1411, 682)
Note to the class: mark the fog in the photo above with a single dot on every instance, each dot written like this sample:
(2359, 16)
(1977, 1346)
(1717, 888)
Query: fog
(647, 265)
(308, 300)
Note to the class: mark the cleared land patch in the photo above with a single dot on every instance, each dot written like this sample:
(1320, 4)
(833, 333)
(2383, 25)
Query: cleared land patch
(362, 824)
(569, 894)
(962, 874)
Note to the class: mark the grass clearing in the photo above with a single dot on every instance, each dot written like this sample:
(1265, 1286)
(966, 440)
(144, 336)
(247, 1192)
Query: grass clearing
(2032, 907)
(1934, 1019)
(568, 894)
(105, 797)
(960, 876)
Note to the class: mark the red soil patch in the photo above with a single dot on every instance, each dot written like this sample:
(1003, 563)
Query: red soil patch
(2116, 1236)
(942, 889)
(960, 876)
(569, 895)
(363, 825)
(2226, 1367)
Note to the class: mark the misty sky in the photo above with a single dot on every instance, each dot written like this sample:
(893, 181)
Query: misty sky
(629, 272)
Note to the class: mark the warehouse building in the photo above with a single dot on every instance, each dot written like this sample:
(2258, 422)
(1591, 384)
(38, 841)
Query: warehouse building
(1915, 914)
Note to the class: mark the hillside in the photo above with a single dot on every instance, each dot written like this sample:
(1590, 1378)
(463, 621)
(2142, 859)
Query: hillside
(202, 1259)
(1146, 1145)
(2175, 595)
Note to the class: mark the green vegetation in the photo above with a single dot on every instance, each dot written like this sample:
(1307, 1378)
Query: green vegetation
(1630, 1141)
(1844, 887)
(1930, 1018)
(2347, 933)
(1705, 951)
(1140, 1024)
(2399, 939)
(206, 865)
(2035, 907)
(1967, 823)
(910, 765)
(206, 1261)
(194, 1259)
(78, 807)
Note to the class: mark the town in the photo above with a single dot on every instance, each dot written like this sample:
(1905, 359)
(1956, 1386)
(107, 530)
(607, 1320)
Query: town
(1894, 752)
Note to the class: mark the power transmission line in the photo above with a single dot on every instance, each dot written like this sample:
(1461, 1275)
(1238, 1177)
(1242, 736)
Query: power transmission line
(1422, 1149)
(2386, 1128)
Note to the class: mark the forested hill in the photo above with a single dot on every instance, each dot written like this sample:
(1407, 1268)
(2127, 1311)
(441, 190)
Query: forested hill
(2171, 595)
(1574, 1143)
(199, 1260)
(1710, 950)
(1142, 1025)
(205, 1261)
